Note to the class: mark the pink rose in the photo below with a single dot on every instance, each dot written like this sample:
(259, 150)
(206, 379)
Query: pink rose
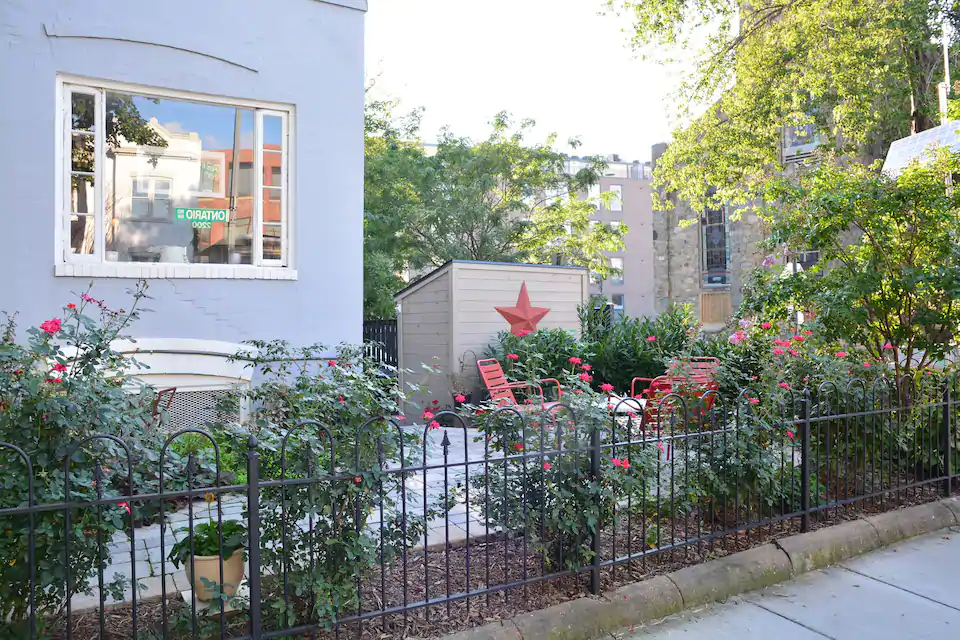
(790, 434)
(888, 347)
(512, 356)
(765, 325)
(778, 351)
(428, 415)
(434, 425)
(460, 397)
(51, 326)
(784, 385)
(606, 386)
(651, 338)
(546, 466)
(575, 360)
(59, 367)
(586, 377)
(841, 354)
(753, 400)
(586, 367)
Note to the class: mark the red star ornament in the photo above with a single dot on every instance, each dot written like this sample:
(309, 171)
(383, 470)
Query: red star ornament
(523, 317)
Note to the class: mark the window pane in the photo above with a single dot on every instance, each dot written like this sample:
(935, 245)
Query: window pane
(81, 194)
(82, 234)
(184, 156)
(272, 176)
(140, 208)
(82, 111)
(272, 216)
(272, 242)
(272, 132)
(616, 200)
(81, 152)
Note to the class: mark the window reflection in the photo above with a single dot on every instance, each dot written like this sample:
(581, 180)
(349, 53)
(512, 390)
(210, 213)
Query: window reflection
(165, 157)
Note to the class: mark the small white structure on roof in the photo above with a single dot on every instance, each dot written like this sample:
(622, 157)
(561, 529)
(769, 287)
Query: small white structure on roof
(447, 318)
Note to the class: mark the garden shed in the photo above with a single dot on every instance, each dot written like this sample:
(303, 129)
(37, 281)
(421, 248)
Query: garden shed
(447, 318)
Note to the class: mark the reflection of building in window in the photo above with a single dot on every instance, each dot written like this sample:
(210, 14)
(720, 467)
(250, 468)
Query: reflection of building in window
(151, 199)
(714, 257)
(617, 265)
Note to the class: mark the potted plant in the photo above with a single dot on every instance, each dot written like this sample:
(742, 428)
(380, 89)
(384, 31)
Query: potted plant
(204, 571)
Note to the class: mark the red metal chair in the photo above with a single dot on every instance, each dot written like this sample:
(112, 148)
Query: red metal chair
(501, 389)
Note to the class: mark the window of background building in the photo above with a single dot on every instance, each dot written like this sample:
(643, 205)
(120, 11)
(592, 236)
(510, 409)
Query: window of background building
(715, 251)
(616, 264)
(616, 201)
(617, 300)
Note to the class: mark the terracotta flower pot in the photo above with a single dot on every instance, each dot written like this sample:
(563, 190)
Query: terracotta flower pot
(208, 568)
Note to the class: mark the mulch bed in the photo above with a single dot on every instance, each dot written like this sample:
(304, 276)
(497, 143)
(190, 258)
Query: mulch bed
(505, 561)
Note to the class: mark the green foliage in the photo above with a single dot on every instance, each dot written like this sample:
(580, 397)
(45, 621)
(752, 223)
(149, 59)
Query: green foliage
(59, 388)
(848, 70)
(893, 252)
(205, 540)
(319, 418)
(625, 349)
(544, 353)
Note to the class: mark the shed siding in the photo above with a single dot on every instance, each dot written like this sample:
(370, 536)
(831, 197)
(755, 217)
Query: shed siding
(425, 327)
(479, 288)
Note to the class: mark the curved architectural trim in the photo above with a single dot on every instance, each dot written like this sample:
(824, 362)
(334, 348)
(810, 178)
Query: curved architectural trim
(59, 31)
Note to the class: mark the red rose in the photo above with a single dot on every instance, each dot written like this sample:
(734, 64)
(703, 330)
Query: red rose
(51, 326)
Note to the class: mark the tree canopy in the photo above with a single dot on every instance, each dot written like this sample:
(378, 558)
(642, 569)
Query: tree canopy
(502, 199)
(852, 70)
(888, 277)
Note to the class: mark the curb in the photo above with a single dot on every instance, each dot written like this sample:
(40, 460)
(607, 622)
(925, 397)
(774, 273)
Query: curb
(590, 617)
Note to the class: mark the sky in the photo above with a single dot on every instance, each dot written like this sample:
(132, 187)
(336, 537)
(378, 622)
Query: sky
(555, 61)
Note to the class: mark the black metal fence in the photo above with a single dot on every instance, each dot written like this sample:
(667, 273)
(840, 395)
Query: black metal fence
(381, 339)
(418, 531)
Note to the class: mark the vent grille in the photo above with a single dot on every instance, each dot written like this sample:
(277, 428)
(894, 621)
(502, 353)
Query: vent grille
(191, 409)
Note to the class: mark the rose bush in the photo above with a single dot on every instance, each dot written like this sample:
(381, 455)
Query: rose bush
(59, 388)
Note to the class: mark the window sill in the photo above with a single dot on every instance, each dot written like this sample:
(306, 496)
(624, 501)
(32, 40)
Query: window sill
(164, 271)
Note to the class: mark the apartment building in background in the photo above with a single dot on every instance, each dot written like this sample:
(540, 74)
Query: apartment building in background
(632, 290)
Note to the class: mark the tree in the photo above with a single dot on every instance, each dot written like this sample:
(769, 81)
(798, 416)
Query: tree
(893, 250)
(852, 70)
(502, 200)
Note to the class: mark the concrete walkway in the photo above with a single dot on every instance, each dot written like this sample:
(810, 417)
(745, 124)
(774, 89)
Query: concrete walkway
(908, 591)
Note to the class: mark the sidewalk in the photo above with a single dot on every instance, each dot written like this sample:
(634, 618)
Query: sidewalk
(908, 591)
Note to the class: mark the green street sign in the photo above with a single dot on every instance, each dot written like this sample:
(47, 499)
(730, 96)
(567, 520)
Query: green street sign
(202, 215)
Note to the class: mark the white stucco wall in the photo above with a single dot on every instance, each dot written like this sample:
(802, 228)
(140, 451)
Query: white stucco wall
(304, 53)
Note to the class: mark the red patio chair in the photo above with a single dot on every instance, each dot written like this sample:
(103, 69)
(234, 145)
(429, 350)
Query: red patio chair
(501, 389)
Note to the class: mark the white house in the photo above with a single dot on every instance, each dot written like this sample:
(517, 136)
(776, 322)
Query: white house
(213, 148)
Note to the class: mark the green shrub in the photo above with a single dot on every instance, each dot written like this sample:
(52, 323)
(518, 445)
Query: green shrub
(545, 352)
(59, 388)
(325, 416)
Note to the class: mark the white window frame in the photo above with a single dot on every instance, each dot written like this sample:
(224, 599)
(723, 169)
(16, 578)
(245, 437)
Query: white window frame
(69, 264)
(616, 202)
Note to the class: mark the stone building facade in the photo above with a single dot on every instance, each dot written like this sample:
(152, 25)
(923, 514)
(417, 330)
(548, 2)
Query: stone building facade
(703, 260)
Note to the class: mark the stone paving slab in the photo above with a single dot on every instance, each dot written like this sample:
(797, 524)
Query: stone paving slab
(739, 620)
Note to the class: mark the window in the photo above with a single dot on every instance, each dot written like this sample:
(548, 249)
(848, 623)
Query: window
(715, 251)
(164, 177)
(800, 141)
(617, 265)
(593, 195)
(617, 300)
(616, 201)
